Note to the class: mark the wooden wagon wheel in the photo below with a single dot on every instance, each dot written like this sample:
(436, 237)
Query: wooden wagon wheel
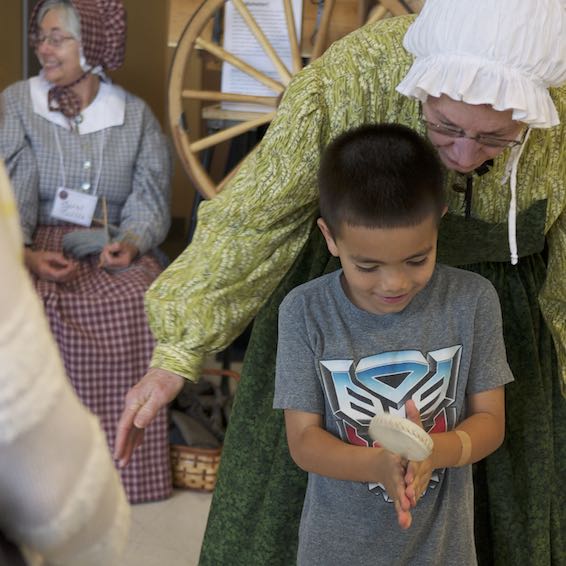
(197, 39)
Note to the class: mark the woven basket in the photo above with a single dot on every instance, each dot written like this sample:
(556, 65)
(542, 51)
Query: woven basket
(197, 468)
(194, 468)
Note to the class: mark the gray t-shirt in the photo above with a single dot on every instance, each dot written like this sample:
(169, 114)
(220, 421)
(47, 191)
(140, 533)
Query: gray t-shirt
(347, 365)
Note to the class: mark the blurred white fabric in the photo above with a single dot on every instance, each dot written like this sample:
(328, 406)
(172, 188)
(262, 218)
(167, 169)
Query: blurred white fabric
(60, 494)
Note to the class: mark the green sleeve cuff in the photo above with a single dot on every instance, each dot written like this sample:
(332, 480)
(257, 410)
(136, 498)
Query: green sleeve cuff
(177, 360)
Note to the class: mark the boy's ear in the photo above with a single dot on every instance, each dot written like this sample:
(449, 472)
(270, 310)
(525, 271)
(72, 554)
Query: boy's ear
(330, 243)
(444, 211)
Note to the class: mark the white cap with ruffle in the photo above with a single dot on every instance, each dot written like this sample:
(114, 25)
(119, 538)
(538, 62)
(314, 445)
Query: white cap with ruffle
(505, 53)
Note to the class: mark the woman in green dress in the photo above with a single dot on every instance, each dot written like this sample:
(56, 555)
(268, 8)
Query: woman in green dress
(484, 81)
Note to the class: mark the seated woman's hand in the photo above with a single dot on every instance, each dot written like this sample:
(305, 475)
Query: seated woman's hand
(51, 266)
(118, 255)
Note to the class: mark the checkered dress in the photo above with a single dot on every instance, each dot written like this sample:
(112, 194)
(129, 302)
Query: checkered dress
(99, 323)
(98, 319)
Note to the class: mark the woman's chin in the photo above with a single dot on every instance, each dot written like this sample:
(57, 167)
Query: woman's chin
(453, 165)
(53, 74)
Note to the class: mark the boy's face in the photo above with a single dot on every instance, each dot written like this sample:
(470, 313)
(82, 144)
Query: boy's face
(384, 268)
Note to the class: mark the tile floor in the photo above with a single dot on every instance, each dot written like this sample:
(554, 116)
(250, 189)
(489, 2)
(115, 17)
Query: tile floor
(168, 533)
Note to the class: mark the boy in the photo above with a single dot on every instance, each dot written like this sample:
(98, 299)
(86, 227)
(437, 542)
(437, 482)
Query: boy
(391, 331)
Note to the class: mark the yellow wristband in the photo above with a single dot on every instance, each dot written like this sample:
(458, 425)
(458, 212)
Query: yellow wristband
(466, 442)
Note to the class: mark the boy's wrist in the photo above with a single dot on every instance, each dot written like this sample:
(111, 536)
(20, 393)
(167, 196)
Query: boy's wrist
(466, 450)
(447, 449)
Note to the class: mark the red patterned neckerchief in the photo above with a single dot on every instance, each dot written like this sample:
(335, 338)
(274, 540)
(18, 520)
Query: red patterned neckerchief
(64, 99)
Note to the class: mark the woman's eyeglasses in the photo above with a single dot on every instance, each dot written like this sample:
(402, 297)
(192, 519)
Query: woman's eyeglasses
(487, 140)
(55, 40)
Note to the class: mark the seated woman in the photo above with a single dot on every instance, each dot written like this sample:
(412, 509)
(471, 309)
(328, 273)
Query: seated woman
(80, 149)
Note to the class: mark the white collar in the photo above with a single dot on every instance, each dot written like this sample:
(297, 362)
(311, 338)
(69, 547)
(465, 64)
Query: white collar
(106, 110)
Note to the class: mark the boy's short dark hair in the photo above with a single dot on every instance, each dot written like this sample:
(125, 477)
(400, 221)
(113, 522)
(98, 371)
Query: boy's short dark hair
(380, 176)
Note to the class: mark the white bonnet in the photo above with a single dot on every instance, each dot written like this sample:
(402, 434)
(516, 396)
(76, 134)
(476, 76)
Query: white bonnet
(505, 53)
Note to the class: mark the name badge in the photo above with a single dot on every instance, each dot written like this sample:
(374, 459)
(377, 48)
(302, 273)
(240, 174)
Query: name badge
(74, 206)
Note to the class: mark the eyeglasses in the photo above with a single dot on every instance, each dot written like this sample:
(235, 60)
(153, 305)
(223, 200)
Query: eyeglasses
(55, 40)
(487, 140)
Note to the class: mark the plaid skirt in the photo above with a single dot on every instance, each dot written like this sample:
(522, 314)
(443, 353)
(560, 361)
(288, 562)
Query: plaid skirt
(99, 323)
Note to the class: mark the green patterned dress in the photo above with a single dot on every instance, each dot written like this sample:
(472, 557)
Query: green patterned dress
(256, 241)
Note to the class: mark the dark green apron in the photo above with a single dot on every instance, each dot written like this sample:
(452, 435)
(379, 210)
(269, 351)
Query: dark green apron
(520, 499)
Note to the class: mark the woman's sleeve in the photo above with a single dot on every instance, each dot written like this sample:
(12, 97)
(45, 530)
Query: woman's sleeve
(553, 296)
(60, 494)
(20, 161)
(246, 238)
(552, 299)
(146, 216)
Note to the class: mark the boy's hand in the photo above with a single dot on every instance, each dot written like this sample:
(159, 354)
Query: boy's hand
(418, 474)
(391, 468)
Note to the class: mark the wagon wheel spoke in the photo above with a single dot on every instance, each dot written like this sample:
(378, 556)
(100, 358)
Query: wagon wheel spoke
(284, 74)
(396, 7)
(228, 177)
(322, 35)
(229, 97)
(293, 39)
(230, 58)
(231, 132)
(378, 13)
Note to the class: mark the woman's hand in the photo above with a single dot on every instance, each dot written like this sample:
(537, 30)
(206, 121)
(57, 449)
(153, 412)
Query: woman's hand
(418, 473)
(51, 266)
(144, 400)
(118, 255)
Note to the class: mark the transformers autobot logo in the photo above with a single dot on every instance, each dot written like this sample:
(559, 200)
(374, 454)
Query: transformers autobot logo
(383, 383)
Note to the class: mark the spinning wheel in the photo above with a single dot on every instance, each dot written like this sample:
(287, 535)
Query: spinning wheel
(202, 39)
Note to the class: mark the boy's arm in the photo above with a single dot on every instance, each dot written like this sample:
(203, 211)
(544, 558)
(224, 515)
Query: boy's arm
(485, 428)
(482, 432)
(315, 450)
(478, 436)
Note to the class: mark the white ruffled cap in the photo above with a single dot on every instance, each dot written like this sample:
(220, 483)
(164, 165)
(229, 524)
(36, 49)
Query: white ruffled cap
(505, 53)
